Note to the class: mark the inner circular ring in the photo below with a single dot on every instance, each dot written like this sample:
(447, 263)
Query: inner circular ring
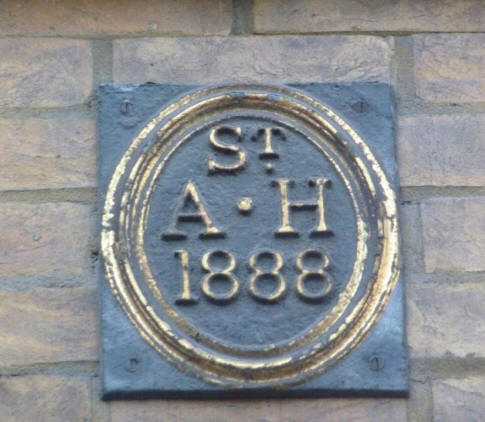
(317, 330)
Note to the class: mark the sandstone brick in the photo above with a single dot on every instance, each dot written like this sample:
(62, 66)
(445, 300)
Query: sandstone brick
(328, 410)
(446, 150)
(350, 15)
(48, 325)
(44, 399)
(44, 72)
(96, 17)
(39, 154)
(252, 59)
(44, 239)
(454, 234)
(459, 399)
(445, 319)
(449, 67)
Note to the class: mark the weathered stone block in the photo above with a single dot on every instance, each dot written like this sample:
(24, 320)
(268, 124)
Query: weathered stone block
(444, 150)
(445, 320)
(459, 399)
(98, 17)
(449, 68)
(44, 398)
(44, 239)
(44, 72)
(48, 325)
(328, 410)
(351, 15)
(252, 59)
(39, 154)
(454, 234)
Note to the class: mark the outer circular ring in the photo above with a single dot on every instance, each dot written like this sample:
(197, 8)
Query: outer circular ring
(119, 228)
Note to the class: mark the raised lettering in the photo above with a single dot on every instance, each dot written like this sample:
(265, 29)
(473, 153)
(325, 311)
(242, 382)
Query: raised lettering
(190, 194)
(286, 229)
(215, 142)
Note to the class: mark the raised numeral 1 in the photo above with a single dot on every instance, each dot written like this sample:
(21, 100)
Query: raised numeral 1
(185, 297)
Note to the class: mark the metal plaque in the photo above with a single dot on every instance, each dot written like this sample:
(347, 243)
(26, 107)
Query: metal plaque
(250, 241)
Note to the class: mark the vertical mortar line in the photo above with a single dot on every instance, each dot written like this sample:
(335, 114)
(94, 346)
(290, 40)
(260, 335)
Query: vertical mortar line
(431, 400)
(403, 74)
(102, 51)
(91, 398)
(421, 238)
(242, 17)
(403, 79)
(420, 403)
(100, 410)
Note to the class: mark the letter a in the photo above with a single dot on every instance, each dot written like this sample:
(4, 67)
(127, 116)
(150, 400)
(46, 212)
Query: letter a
(190, 194)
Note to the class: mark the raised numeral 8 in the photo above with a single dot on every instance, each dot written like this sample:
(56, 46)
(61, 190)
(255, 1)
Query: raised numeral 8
(319, 272)
(273, 273)
(225, 274)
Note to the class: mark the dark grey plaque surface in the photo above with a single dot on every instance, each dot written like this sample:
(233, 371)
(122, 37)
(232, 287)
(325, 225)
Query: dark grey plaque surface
(218, 194)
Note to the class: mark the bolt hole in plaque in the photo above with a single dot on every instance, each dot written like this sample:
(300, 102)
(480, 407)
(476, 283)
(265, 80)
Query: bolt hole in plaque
(250, 242)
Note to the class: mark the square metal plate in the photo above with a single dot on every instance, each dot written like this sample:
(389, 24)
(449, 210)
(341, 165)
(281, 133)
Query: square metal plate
(133, 365)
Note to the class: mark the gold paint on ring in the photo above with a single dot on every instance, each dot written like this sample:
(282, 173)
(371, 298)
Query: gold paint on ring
(214, 367)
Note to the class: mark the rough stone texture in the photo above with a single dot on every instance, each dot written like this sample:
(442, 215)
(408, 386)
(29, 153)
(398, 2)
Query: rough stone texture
(50, 153)
(252, 59)
(48, 325)
(459, 399)
(454, 234)
(352, 15)
(44, 399)
(44, 72)
(327, 410)
(411, 243)
(44, 239)
(446, 150)
(449, 68)
(96, 17)
(420, 402)
(446, 320)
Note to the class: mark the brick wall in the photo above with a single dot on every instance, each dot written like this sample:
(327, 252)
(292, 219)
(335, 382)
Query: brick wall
(53, 54)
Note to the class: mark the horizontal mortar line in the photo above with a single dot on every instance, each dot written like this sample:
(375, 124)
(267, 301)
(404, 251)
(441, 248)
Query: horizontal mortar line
(70, 112)
(258, 35)
(21, 284)
(417, 193)
(121, 36)
(449, 367)
(228, 34)
(448, 277)
(74, 368)
(416, 108)
(68, 194)
(380, 33)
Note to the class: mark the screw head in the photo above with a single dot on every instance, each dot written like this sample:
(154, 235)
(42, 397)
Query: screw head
(126, 107)
(376, 363)
(360, 106)
(132, 365)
